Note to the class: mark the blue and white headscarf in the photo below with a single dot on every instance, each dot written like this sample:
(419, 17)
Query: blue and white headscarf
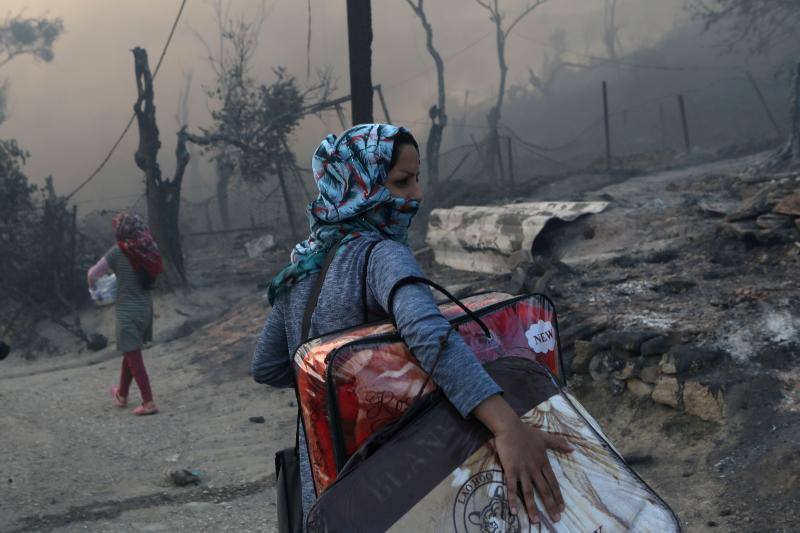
(350, 173)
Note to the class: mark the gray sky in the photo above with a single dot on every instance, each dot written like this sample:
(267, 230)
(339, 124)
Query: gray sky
(68, 113)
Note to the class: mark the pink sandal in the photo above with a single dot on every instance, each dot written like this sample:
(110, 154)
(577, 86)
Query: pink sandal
(120, 401)
(143, 411)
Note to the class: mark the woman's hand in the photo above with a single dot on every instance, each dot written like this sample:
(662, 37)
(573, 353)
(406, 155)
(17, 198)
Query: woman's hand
(522, 452)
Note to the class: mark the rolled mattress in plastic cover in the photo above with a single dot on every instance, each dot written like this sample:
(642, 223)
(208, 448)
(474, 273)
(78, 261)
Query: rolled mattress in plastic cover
(440, 473)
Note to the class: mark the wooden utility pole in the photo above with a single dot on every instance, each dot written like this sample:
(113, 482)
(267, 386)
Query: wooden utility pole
(359, 37)
(662, 125)
(607, 126)
(685, 123)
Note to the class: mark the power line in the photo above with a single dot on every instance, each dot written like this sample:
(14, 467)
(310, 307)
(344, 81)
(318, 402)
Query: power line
(448, 58)
(133, 117)
(631, 64)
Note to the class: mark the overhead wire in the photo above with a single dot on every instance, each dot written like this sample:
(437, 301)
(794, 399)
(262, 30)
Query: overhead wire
(447, 58)
(133, 116)
(631, 64)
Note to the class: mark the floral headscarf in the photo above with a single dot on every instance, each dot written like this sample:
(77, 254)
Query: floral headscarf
(134, 239)
(350, 173)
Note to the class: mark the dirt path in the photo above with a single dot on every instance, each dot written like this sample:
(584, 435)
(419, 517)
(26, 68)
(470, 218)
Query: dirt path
(71, 460)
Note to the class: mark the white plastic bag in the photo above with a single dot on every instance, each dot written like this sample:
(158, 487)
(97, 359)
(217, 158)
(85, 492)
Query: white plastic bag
(104, 291)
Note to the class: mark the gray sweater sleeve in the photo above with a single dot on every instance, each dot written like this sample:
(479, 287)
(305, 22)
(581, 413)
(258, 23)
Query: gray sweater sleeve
(459, 374)
(270, 364)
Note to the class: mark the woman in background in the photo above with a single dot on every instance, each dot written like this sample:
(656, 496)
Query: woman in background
(136, 262)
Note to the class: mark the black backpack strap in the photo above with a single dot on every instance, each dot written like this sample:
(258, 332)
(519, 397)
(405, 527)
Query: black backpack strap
(364, 284)
(314, 296)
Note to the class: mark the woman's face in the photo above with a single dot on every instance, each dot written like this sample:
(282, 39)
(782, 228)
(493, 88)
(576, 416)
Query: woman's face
(403, 179)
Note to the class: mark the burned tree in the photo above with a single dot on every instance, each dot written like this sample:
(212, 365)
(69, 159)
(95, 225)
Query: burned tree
(163, 195)
(611, 30)
(26, 36)
(437, 112)
(501, 37)
(760, 24)
(237, 42)
(789, 153)
(39, 244)
(256, 127)
(763, 25)
(182, 119)
(553, 64)
(252, 121)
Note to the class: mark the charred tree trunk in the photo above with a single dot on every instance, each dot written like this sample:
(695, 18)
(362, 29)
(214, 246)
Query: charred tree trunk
(501, 37)
(359, 34)
(437, 113)
(789, 154)
(225, 169)
(163, 195)
(288, 201)
(493, 118)
(195, 176)
(611, 31)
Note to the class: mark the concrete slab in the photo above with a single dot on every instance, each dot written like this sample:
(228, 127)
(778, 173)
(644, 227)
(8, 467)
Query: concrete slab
(494, 239)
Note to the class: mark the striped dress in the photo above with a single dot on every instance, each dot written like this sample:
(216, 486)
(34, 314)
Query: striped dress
(134, 305)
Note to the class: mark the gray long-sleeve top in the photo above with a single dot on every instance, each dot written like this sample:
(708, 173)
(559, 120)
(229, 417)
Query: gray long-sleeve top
(419, 322)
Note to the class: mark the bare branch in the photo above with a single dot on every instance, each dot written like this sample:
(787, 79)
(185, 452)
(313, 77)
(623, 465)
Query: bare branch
(522, 15)
(762, 24)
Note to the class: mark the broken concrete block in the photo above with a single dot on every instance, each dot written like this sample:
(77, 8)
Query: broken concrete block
(584, 350)
(258, 246)
(667, 391)
(667, 364)
(639, 388)
(699, 401)
(495, 239)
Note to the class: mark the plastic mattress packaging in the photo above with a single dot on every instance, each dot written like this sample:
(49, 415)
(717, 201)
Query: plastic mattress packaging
(375, 469)
(104, 291)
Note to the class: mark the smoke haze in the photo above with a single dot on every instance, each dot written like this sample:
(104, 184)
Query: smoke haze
(67, 113)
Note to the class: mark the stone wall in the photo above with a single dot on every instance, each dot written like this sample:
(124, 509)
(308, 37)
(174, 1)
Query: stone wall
(659, 367)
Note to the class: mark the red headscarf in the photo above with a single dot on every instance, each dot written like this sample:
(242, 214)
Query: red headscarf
(135, 241)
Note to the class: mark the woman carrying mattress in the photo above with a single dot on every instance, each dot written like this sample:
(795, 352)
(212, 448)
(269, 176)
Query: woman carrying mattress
(369, 191)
